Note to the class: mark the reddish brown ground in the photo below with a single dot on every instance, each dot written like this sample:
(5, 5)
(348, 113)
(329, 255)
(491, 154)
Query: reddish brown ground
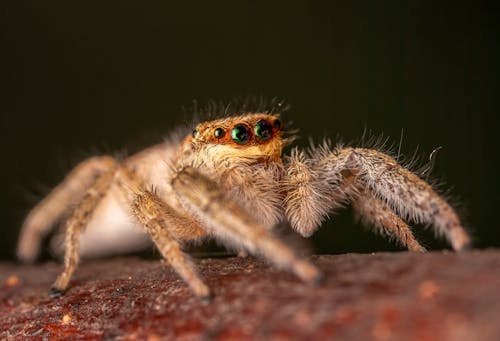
(386, 296)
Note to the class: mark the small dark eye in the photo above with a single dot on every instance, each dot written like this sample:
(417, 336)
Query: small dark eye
(263, 130)
(219, 133)
(277, 124)
(241, 134)
(194, 133)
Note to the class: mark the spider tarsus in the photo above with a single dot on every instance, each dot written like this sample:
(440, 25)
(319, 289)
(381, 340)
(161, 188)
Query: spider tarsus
(25, 257)
(319, 279)
(465, 247)
(55, 292)
(28, 247)
(207, 298)
(417, 249)
(308, 272)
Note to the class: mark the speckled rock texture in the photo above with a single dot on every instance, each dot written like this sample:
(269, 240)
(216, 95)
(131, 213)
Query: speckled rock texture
(383, 296)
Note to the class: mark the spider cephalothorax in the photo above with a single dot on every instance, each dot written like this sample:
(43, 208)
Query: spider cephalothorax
(228, 180)
(249, 138)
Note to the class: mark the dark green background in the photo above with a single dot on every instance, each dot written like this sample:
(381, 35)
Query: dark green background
(107, 76)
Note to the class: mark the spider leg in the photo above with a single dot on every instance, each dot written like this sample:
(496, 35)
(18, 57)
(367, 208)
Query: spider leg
(408, 195)
(309, 196)
(384, 220)
(75, 225)
(231, 224)
(158, 219)
(43, 217)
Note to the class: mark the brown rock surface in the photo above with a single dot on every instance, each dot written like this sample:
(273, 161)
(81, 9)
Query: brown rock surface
(385, 296)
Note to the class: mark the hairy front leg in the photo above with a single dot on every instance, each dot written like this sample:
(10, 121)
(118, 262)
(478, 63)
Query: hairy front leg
(310, 197)
(75, 226)
(160, 220)
(44, 215)
(231, 224)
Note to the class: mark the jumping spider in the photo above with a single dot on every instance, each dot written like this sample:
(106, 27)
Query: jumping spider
(228, 180)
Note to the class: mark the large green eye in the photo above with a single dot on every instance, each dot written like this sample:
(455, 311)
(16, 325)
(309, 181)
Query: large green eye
(263, 130)
(241, 134)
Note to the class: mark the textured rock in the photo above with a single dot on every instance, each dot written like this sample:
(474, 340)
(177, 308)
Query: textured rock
(386, 296)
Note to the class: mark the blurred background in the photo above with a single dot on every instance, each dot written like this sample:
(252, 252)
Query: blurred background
(105, 77)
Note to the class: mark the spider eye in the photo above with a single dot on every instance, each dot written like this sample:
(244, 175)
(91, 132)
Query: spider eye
(194, 133)
(263, 130)
(219, 133)
(241, 134)
(277, 124)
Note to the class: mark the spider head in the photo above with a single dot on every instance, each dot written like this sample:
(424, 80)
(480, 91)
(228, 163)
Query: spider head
(256, 136)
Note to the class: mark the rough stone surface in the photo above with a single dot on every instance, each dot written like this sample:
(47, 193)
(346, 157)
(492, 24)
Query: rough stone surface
(385, 296)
